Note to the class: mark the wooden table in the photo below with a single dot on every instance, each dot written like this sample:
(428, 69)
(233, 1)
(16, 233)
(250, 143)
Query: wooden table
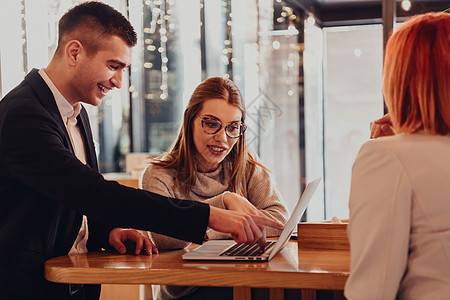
(305, 269)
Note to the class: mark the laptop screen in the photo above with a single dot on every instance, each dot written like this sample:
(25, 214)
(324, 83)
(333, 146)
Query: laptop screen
(296, 215)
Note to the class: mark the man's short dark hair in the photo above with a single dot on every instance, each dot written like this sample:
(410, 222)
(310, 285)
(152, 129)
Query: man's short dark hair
(90, 21)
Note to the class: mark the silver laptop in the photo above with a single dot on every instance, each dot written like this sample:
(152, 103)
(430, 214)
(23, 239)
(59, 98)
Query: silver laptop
(230, 250)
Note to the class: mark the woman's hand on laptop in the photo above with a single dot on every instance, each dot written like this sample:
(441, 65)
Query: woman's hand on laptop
(244, 227)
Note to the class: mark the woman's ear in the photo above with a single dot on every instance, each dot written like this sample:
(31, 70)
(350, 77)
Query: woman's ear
(72, 53)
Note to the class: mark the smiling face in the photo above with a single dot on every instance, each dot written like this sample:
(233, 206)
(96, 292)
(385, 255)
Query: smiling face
(213, 148)
(98, 73)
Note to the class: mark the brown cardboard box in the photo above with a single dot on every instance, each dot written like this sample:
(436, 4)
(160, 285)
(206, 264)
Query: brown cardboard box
(322, 235)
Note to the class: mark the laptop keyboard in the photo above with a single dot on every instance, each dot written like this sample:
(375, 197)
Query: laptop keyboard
(246, 250)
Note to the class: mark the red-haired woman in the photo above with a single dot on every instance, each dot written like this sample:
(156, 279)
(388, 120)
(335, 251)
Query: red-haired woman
(399, 227)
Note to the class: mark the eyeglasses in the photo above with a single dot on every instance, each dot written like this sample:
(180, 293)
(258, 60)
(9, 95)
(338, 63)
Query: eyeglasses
(232, 130)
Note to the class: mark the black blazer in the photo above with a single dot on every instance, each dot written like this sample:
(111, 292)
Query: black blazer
(45, 190)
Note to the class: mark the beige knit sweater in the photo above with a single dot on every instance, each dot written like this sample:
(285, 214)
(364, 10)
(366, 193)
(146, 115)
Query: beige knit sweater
(210, 188)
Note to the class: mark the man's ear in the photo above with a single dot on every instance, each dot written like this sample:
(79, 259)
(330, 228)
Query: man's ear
(73, 51)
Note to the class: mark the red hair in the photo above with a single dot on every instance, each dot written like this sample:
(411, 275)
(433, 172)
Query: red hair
(416, 75)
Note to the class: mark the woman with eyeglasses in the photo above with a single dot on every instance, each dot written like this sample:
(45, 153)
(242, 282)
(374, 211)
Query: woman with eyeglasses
(210, 162)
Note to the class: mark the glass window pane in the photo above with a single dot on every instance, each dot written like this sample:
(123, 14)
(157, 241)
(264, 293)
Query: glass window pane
(352, 99)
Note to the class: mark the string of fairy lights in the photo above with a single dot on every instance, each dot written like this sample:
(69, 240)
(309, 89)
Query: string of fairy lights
(227, 57)
(287, 14)
(160, 25)
(159, 31)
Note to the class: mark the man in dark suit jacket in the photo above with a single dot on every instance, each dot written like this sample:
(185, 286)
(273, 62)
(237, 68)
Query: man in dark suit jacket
(46, 188)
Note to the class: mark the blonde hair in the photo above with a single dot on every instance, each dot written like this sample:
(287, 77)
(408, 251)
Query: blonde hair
(416, 75)
(182, 153)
